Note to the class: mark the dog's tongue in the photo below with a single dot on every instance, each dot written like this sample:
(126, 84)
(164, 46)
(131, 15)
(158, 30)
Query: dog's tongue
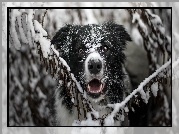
(94, 85)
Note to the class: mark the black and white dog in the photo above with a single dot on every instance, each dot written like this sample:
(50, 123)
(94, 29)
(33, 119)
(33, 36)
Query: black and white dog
(95, 56)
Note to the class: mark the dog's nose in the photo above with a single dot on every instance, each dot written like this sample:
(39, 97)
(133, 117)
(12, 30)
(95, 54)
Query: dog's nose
(94, 66)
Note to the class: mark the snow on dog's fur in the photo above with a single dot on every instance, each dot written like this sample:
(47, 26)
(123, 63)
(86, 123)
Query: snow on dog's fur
(95, 56)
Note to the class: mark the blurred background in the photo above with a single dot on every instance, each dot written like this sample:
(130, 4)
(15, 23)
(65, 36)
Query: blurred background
(30, 86)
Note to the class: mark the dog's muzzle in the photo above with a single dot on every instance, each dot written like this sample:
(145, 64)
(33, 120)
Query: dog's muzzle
(94, 75)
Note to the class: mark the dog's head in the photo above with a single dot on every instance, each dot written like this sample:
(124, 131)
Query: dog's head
(95, 56)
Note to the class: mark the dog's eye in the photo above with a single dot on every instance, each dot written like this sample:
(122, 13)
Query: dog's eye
(80, 51)
(105, 48)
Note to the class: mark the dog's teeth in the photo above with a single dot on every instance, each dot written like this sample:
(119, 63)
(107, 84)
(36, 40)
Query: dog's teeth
(98, 91)
(101, 87)
(88, 87)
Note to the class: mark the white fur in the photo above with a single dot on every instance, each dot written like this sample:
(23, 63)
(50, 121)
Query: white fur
(88, 75)
(64, 118)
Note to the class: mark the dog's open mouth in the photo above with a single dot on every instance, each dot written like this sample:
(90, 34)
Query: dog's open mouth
(95, 86)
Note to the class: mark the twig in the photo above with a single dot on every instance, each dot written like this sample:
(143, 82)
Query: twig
(44, 17)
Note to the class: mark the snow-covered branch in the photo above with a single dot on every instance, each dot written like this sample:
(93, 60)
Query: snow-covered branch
(118, 106)
(152, 31)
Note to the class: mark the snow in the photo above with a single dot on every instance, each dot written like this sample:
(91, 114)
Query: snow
(133, 109)
(45, 47)
(38, 28)
(21, 30)
(147, 94)
(136, 17)
(78, 85)
(143, 96)
(88, 122)
(13, 31)
(45, 44)
(109, 121)
(157, 22)
(92, 47)
(154, 88)
(30, 27)
(54, 50)
(118, 106)
(126, 109)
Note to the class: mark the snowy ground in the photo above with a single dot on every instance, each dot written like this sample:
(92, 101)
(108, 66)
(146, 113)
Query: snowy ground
(91, 130)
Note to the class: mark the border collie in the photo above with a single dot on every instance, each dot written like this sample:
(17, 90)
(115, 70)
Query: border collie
(95, 56)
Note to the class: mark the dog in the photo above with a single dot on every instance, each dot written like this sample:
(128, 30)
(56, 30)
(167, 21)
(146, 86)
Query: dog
(95, 56)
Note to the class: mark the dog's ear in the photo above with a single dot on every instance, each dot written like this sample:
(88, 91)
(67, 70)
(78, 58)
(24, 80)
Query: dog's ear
(64, 37)
(117, 31)
(117, 36)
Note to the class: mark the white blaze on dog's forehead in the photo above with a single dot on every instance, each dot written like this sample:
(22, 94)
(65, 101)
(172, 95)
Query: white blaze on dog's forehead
(92, 47)
(89, 45)
(94, 56)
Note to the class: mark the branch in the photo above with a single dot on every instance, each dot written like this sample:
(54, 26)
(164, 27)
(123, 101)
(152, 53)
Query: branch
(153, 33)
(118, 106)
(43, 17)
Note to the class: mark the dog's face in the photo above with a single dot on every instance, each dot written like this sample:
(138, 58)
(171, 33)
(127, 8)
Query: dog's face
(94, 54)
